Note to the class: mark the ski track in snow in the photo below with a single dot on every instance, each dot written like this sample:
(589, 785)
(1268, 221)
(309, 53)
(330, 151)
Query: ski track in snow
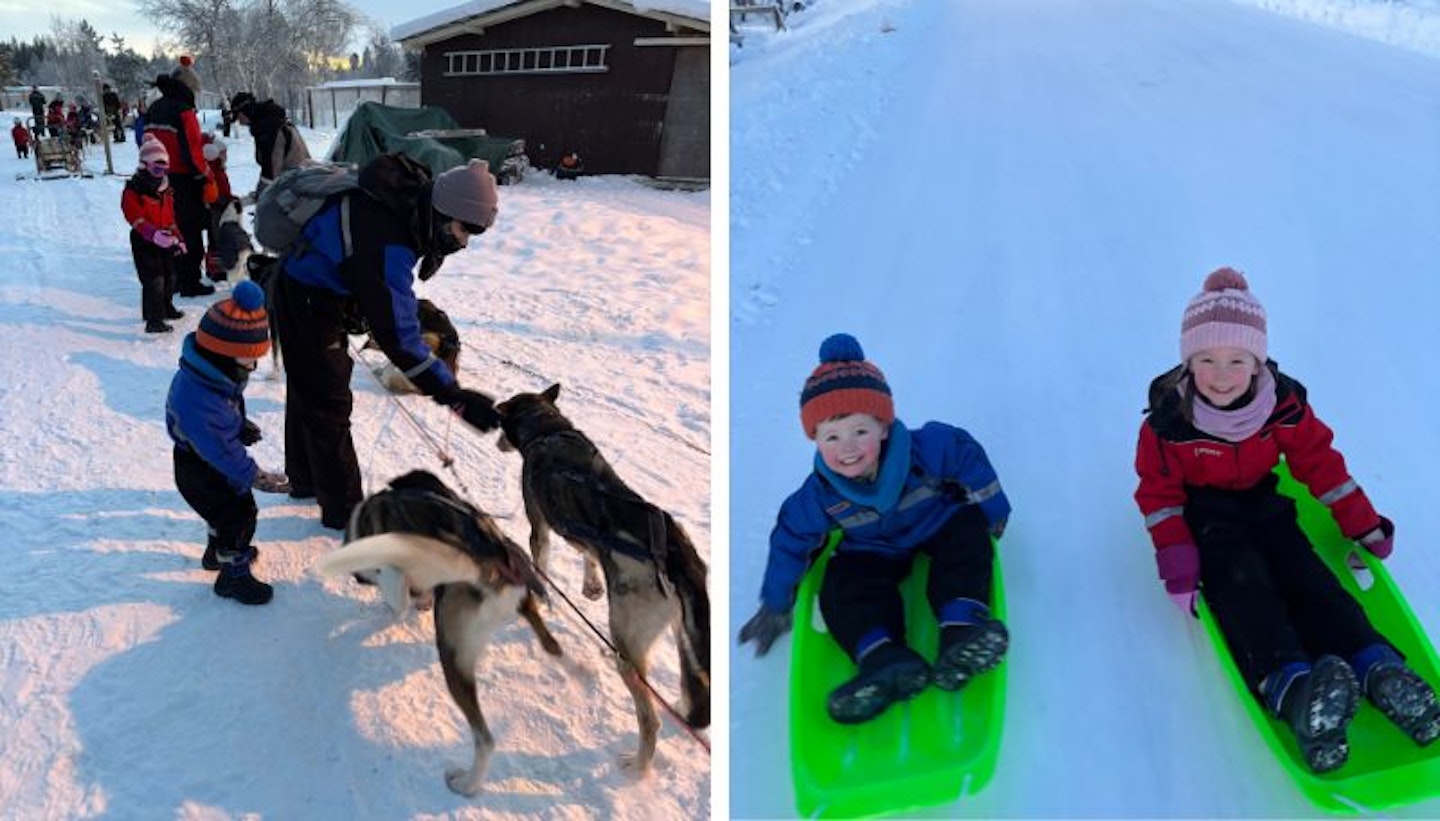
(128, 690)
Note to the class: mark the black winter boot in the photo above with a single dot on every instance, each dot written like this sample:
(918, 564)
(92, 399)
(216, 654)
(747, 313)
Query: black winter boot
(967, 650)
(1405, 699)
(235, 581)
(889, 673)
(1318, 704)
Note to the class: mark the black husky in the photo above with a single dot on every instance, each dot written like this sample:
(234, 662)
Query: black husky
(653, 576)
(419, 536)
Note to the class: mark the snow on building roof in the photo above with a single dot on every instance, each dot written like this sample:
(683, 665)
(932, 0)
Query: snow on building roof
(368, 82)
(689, 10)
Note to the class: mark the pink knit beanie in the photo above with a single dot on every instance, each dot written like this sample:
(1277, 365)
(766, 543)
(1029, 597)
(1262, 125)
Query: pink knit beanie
(152, 150)
(1224, 314)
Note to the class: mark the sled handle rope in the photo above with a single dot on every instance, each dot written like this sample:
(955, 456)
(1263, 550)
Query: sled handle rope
(448, 462)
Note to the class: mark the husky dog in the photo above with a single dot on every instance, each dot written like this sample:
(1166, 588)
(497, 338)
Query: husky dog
(653, 575)
(439, 335)
(421, 536)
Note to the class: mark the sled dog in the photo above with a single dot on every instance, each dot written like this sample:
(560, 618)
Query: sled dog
(419, 536)
(652, 574)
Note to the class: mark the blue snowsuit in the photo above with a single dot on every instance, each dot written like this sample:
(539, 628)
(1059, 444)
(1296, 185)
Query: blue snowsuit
(935, 491)
(204, 414)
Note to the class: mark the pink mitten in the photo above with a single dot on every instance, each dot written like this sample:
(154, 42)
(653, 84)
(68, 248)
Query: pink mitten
(1381, 540)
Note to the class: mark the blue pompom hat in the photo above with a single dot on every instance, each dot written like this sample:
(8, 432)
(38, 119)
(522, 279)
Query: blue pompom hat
(844, 383)
(237, 327)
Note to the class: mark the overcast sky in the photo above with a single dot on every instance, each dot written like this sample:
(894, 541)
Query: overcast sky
(18, 19)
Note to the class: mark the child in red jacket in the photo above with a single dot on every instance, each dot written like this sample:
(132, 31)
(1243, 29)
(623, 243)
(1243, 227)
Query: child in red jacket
(224, 235)
(149, 207)
(21, 135)
(1217, 426)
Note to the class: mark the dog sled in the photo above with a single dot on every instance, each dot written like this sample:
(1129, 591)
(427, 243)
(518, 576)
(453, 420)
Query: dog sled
(769, 13)
(54, 154)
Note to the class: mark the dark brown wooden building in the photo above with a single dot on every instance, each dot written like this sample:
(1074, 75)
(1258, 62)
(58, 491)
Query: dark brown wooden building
(626, 85)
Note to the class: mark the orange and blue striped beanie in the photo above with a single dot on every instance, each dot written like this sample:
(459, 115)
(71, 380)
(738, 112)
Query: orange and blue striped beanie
(844, 383)
(237, 327)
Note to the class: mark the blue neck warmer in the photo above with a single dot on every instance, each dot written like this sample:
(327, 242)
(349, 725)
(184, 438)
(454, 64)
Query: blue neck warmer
(884, 492)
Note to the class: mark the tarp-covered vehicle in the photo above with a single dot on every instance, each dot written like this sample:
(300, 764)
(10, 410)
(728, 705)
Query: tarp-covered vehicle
(428, 135)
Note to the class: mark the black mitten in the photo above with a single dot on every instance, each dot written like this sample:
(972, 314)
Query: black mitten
(250, 433)
(475, 408)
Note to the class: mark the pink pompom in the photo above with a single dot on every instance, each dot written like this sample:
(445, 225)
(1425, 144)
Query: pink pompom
(1226, 278)
(186, 60)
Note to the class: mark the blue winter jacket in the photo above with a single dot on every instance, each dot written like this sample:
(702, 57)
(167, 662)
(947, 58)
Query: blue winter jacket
(925, 476)
(377, 272)
(204, 413)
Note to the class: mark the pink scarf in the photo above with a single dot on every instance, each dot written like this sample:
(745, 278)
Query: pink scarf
(1237, 424)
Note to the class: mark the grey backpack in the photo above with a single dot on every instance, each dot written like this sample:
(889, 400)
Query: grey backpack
(299, 194)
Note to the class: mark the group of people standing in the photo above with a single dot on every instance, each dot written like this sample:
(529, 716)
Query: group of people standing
(174, 198)
(357, 256)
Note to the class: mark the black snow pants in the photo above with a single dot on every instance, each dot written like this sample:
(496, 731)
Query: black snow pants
(229, 516)
(861, 590)
(155, 268)
(319, 452)
(1274, 599)
(191, 216)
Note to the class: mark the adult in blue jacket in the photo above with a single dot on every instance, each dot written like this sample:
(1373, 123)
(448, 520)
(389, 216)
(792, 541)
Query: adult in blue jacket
(894, 493)
(355, 260)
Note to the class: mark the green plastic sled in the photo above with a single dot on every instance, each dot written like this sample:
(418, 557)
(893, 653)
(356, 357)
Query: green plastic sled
(929, 751)
(1386, 769)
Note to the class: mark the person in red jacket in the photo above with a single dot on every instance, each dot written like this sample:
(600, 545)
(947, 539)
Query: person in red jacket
(148, 205)
(21, 135)
(173, 121)
(1217, 426)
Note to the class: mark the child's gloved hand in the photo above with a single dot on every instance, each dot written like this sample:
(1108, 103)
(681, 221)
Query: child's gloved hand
(765, 627)
(998, 529)
(164, 239)
(1187, 602)
(1179, 566)
(250, 433)
(271, 482)
(1381, 540)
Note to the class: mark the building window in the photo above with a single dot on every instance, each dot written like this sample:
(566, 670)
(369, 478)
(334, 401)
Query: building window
(553, 60)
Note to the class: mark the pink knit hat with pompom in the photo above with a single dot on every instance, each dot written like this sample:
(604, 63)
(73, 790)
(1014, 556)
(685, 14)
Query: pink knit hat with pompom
(151, 150)
(1223, 315)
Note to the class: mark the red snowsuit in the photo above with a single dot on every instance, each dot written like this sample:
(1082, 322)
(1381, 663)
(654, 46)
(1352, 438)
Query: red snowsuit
(1173, 454)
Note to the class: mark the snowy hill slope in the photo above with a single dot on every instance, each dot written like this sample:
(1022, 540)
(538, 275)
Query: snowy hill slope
(1009, 204)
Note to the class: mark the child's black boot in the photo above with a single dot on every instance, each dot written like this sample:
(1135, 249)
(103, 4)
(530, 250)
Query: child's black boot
(971, 642)
(889, 672)
(1317, 701)
(1399, 692)
(236, 582)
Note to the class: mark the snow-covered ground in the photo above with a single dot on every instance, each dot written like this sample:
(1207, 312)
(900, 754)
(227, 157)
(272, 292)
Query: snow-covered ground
(128, 690)
(1009, 204)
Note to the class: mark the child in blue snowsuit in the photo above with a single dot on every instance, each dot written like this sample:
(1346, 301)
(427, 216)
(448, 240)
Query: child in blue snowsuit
(894, 492)
(205, 416)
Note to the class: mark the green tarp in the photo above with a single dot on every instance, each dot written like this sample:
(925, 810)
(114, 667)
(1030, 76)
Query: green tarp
(428, 135)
